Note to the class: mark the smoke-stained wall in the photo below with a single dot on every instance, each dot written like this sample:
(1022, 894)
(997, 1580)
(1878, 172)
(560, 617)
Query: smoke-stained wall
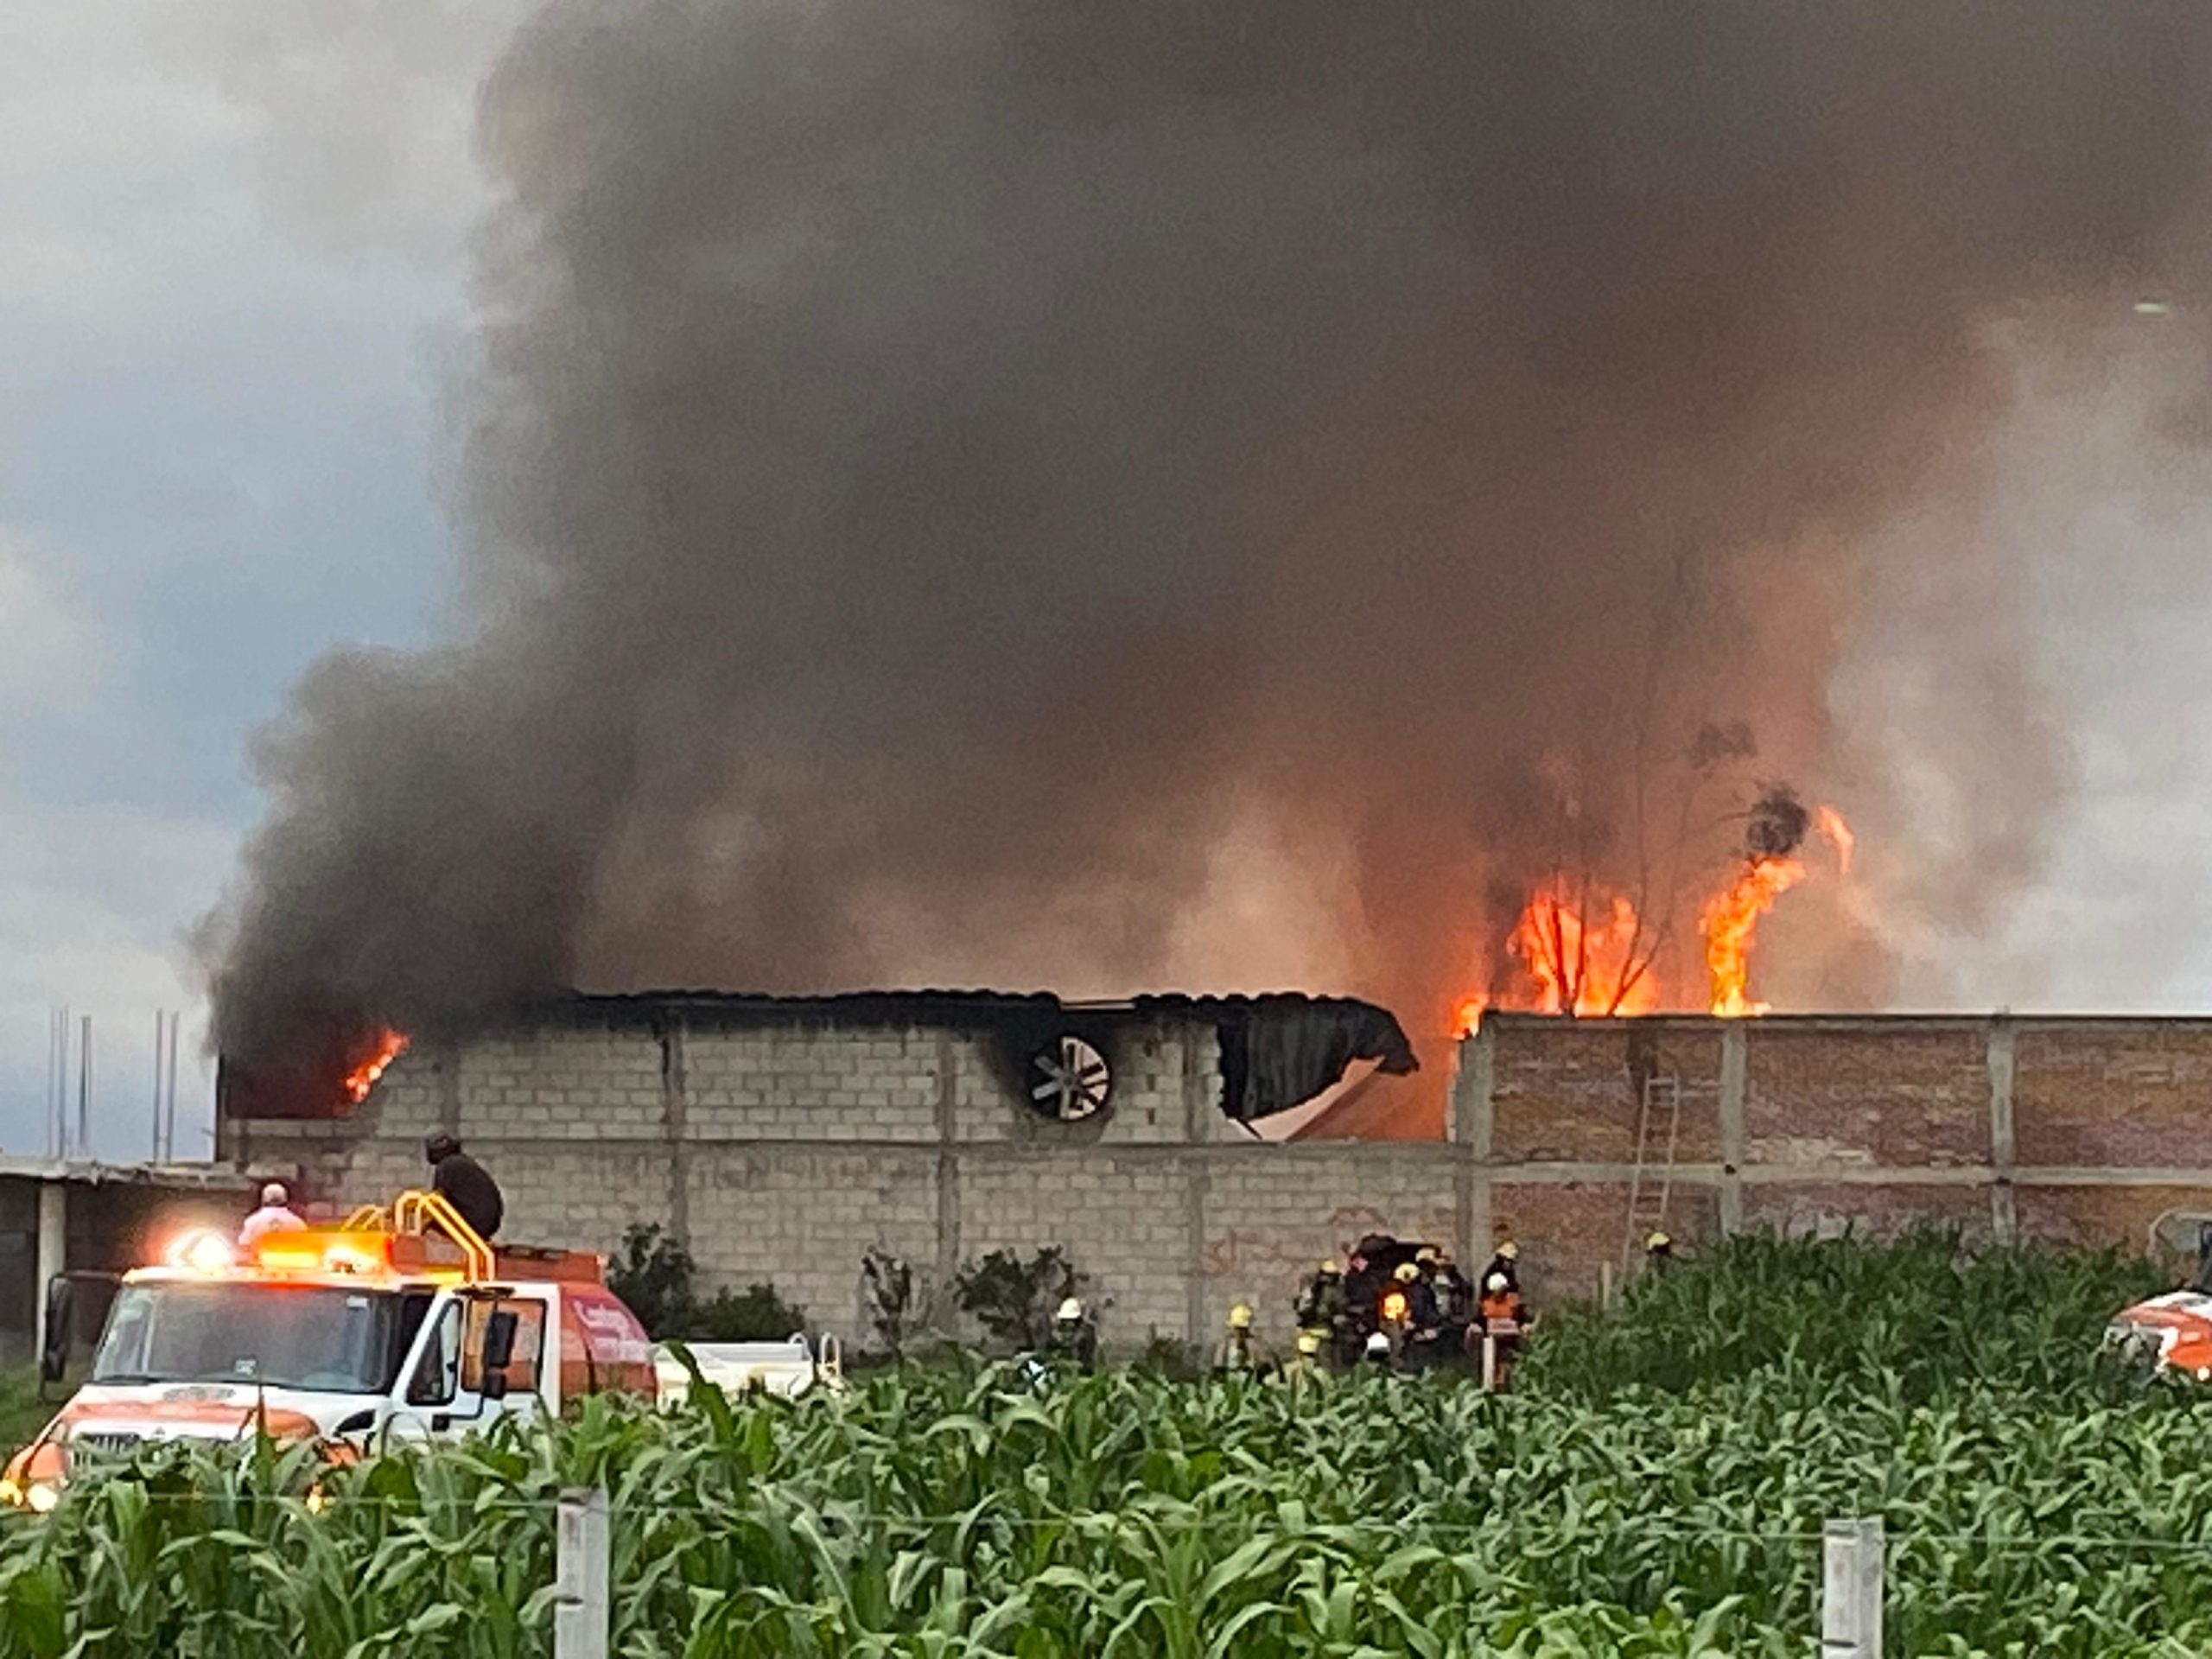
(947, 486)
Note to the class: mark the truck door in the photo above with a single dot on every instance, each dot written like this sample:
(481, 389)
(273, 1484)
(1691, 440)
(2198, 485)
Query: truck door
(429, 1381)
(502, 1355)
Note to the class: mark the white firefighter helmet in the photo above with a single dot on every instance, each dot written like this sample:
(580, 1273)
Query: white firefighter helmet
(1071, 1310)
(1497, 1284)
(1378, 1345)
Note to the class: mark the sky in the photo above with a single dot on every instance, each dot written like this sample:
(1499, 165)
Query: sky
(234, 285)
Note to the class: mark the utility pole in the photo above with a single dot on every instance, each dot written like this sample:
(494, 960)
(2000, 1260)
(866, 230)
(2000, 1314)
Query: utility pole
(85, 1093)
(169, 1136)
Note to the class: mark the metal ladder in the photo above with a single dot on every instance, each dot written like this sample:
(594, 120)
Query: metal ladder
(1659, 1114)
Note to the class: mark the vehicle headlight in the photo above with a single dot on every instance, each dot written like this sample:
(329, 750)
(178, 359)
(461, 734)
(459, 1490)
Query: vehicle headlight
(43, 1496)
(11, 1494)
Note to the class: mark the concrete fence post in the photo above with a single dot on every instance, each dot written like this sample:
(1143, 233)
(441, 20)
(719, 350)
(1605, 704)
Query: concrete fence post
(1851, 1589)
(582, 1609)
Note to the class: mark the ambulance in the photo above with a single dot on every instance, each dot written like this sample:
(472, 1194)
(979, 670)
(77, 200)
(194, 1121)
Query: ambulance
(401, 1323)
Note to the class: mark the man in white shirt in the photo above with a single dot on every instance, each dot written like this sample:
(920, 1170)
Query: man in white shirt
(274, 1215)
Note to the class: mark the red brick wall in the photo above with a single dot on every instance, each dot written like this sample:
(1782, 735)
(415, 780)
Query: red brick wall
(2132, 1093)
(1565, 1229)
(1874, 1212)
(1565, 1090)
(2101, 1215)
(1826, 1093)
(1909, 1095)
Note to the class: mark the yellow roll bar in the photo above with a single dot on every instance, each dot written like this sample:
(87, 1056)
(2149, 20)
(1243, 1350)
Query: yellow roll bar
(418, 1212)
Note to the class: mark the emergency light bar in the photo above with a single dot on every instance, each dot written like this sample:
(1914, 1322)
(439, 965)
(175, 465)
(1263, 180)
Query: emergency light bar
(337, 1250)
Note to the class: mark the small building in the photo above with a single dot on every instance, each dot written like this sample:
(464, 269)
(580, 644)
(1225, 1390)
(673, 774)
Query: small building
(96, 1219)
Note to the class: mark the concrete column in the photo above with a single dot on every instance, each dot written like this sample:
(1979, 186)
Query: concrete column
(1469, 1124)
(1735, 1071)
(53, 1243)
(1197, 1108)
(2004, 1211)
(674, 1116)
(1473, 1081)
(1196, 1324)
(948, 1163)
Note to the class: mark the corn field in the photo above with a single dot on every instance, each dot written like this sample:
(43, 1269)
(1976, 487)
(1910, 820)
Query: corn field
(2036, 1505)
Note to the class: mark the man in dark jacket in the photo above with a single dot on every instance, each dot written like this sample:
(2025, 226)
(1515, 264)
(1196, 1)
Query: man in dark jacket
(465, 1184)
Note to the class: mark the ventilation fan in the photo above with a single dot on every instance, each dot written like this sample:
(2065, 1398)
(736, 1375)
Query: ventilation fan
(1070, 1080)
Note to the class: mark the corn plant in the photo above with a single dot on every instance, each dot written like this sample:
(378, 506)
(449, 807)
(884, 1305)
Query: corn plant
(2035, 1506)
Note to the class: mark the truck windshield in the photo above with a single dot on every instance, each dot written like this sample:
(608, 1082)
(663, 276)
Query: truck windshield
(337, 1341)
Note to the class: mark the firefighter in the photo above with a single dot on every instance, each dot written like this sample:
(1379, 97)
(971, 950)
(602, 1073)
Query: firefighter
(1423, 1318)
(1455, 1300)
(1504, 1321)
(1658, 1253)
(465, 1184)
(1321, 1309)
(1507, 1261)
(1321, 1303)
(1311, 1353)
(1240, 1352)
(274, 1215)
(1073, 1338)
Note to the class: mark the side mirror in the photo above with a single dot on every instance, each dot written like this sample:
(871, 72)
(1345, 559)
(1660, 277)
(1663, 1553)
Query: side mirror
(60, 1329)
(494, 1386)
(499, 1340)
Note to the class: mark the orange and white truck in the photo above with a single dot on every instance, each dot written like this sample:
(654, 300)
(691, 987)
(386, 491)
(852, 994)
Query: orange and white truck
(2172, 1332)
(400, 1323)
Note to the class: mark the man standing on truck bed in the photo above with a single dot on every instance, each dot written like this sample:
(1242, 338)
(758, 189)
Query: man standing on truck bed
(465, 1184)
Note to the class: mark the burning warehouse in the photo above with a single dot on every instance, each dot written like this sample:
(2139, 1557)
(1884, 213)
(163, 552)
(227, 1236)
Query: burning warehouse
(1371, 500)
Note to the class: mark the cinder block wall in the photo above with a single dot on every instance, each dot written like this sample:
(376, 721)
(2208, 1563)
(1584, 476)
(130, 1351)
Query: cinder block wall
(781, 1151)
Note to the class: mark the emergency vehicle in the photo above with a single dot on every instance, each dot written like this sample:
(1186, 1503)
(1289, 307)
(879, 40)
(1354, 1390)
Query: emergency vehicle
(2172, 1332)
(401, 1322)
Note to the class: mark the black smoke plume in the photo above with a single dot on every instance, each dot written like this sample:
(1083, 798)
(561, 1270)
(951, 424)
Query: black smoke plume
(937, 468)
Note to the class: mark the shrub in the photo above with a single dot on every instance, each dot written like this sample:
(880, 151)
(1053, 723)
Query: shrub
(892, 1296)
(755, 1314)
(1013, 1299)
(654, 1276)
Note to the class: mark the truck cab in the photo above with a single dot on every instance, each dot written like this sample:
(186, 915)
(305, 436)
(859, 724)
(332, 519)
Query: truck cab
(400, 1324)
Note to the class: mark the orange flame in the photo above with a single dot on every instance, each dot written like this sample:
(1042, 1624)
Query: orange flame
(391, 1045)
(1602, 963)
(1730, 922)
(1839, 837)
(1592, 965)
